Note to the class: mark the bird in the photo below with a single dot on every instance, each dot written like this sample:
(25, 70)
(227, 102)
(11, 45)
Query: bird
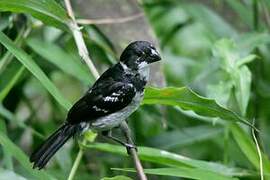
(107, 104)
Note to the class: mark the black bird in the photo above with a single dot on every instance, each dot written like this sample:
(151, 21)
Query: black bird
(113, 97)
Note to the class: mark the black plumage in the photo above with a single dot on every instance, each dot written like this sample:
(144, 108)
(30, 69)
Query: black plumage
(113, 91)
(112, 98)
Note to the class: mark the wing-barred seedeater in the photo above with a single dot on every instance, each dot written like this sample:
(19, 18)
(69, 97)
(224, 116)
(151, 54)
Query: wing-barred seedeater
(113, 97)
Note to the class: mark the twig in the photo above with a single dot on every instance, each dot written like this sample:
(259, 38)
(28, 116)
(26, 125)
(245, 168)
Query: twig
(110, 20)
(259, 152)
(76, 162)
(124, 127)
(82, 49)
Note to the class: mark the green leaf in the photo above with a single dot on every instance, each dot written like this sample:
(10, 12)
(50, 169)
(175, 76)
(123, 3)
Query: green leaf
(238, 75)
(210, 19)
(7, 158)
(8, 174)
(61, 59)
(191, 135)
(246, 60)
(117, 178)
(12, 118)
(166, 158)
(11, 83)
(189, 100)
(19, 155)
(243, 12)
(249, 148)
(27, 61)
(242, 84)
(247, 42)
(191, 173)
(47, 11)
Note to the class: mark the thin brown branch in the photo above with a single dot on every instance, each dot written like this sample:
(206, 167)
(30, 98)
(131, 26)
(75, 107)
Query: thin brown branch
(133, 152)
(82, 49)
(110, 20)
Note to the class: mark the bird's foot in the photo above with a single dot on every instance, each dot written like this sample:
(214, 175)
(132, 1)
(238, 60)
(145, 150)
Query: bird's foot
(129, 147)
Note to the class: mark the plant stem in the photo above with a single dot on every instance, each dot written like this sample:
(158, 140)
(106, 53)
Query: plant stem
(76, 163)
(82, 49)
(124, 127)
(110, 20)
(256, 19)
(259, 153)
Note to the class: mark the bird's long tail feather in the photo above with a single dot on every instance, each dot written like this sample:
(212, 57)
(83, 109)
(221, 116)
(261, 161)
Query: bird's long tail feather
(44, 153)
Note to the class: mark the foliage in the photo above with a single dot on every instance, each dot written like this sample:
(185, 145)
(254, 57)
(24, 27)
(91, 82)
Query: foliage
(216, 70)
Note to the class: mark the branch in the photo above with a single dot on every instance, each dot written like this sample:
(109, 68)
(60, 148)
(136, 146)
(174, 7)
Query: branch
(109, 20)
(76, 163)
(82, 49)
(124, 127)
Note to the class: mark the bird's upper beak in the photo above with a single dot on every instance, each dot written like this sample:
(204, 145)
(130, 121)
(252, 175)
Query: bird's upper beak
(155, 56)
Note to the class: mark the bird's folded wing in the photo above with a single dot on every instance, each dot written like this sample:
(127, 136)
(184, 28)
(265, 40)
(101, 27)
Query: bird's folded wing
(101, 100)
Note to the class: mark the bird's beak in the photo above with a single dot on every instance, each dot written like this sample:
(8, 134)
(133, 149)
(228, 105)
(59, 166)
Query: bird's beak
(155, 56)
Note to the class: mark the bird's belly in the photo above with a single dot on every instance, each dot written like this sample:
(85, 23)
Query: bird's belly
(113, 120)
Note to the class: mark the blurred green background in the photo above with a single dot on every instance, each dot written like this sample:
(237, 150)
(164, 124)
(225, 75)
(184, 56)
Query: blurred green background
(219, 49)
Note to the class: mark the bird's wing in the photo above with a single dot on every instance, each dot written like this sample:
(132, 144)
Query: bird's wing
(104, 98)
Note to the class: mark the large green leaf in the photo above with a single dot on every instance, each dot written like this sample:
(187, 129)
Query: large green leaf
(191, 135)
(167, 158)
(117, 178)
(61, 59)
(11, 83)
(190, 173)
(248, 147)
(189, 100)
(27, 61)
(47, 11)
(7, 157)
(20, 156)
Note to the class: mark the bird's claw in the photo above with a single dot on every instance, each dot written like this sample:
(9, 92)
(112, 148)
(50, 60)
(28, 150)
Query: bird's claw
(129, 147)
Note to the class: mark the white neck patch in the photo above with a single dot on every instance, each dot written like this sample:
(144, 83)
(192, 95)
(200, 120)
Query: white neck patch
(144, 70)
(124, 66)
(142, 65)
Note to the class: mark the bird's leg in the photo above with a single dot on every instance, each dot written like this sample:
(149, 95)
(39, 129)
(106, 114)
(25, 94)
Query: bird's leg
(108, 134)
(125, 129)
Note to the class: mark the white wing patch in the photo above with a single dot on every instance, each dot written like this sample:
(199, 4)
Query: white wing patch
(110, 98)
(99, 109)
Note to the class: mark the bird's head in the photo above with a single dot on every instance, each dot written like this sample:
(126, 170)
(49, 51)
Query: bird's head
(139, 54)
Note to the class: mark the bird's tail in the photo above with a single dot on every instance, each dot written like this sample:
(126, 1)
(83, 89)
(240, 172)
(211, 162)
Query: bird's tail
(44, 153)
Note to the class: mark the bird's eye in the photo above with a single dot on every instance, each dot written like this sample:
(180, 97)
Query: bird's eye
(140, 53)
